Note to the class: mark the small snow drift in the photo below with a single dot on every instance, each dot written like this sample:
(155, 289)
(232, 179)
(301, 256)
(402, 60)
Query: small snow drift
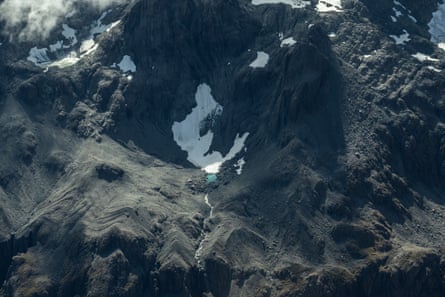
(292, 3)
(329, 6)
(261, 60)
(239, 165)
(69, 34)
(422, 58)
(437, 26)
(127, 64)
(397, 9)
(290, 41)
(401, 39)
(187, 134)
(39, 56)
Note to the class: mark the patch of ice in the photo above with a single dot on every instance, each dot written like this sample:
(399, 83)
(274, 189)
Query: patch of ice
(401, 39)
(397, 12)
(422, 58)
(239, 166)
(70, 35)
(324, 6)
(401, 5)
(87, 47)
(70, 60)
(261, 60)
(97, 27)
(292, 3)
(187, 134)
(39, 56)
(412, 18)
(432, 68)
(56, 46)
(437, 26)
(214, 167)
(290, 41)
(127, 64)
(112, 25)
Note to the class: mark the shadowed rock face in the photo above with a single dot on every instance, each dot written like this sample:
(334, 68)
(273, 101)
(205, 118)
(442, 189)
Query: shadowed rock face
(340, 194)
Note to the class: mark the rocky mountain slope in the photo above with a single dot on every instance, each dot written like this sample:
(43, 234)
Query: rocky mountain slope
(225, 148)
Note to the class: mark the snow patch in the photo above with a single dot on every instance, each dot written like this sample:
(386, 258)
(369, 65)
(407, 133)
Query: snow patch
(397, 12)
(401, 5)
(261, 60)
(290, 41)
(60, 48)
(70, 35)
(97, 27)
(188, 133)
(292, 3)
(56, 46)
(39, 56)
(401, 39)
(127, 64)
(432, 68)
(412, 18)
(89, 45)
(422, 58)
(69, 60)
(239, 165)
(437, 26)
(324, 6)
(398, 8)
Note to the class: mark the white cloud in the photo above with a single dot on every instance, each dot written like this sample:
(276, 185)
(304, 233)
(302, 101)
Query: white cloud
(36, 18)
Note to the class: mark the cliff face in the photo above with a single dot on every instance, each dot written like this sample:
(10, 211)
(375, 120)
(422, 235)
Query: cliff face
(336, 188)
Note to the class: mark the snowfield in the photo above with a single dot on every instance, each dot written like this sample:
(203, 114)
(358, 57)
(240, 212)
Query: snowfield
(39, 56)
(292, 3)
(187, 133)
(437, 26)
(127, 64)
(329, 6)
(402, 38)
(261, 60)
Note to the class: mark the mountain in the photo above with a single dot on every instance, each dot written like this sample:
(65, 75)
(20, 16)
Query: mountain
(273, 148)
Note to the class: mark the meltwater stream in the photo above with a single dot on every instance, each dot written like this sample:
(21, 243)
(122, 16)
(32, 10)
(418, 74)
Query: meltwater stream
(204, 233)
